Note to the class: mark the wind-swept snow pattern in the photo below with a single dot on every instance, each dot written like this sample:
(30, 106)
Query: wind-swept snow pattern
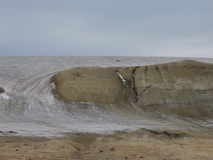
(30, 107)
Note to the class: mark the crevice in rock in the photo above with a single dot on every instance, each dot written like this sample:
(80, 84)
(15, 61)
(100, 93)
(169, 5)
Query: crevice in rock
(133, 84)
(146, 77)
(159, 72)
(146, 89)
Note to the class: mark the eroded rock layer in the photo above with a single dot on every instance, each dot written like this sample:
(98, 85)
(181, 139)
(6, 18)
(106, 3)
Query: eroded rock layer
(95, 84)
(183, 88)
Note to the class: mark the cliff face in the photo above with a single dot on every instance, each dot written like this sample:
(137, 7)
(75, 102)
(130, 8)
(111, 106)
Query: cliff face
(183, 88)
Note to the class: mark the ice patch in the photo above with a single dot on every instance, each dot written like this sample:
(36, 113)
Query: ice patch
(4, 96)
(52, 85)
(124, 81)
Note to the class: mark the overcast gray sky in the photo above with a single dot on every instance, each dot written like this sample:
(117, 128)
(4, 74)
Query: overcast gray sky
(175, 28)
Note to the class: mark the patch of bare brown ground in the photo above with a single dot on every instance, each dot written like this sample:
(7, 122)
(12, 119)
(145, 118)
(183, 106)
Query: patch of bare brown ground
(138, 145)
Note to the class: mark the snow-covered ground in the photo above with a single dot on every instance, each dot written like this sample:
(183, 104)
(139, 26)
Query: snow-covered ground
(29, 108)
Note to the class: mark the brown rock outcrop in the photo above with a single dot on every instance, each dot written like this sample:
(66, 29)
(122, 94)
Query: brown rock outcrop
(2, 90)
(183, 88)
(99, 85)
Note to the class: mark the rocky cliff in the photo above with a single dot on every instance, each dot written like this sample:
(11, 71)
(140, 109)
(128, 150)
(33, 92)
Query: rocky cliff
(183, 88)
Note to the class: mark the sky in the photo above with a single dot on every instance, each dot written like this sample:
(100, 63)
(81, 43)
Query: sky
(162, 28)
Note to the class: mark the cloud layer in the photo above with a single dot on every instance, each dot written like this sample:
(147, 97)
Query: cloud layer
(179, 28)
